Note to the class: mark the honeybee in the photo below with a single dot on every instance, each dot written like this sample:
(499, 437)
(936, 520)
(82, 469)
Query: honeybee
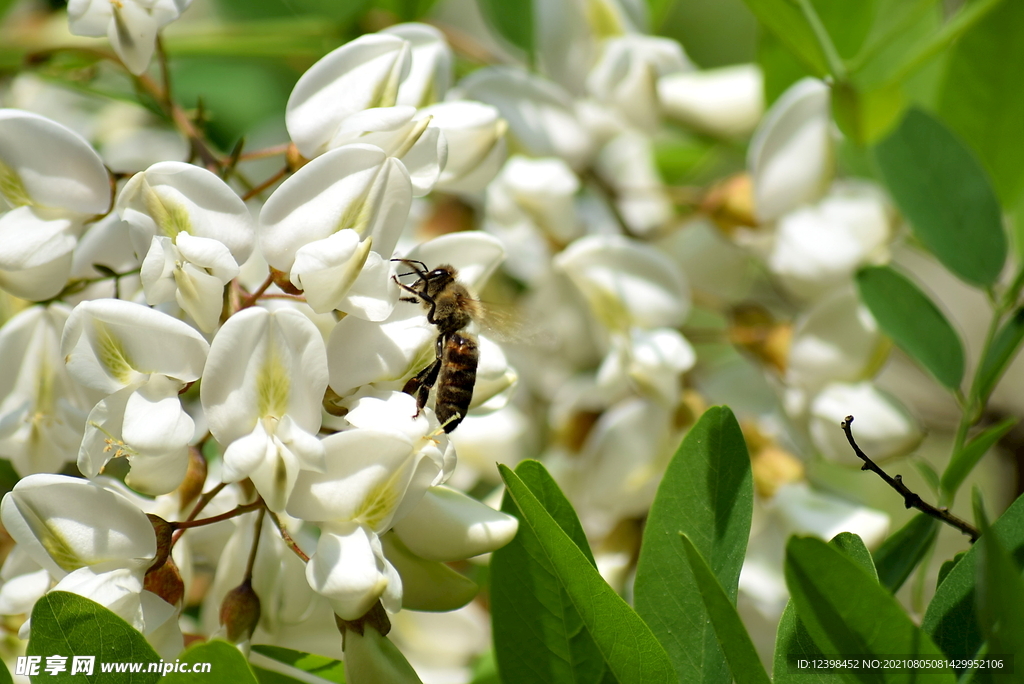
(451, 308)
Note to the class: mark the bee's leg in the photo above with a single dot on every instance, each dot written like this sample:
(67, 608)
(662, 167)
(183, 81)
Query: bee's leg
(421, 384)
(420, 297)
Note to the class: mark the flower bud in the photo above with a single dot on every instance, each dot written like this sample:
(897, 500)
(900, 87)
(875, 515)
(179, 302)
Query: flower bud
(240, 612)
(166, 583)
(725, 102)
(164, 532)
(195, 477)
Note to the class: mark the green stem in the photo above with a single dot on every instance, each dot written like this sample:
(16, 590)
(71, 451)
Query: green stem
(828, 48)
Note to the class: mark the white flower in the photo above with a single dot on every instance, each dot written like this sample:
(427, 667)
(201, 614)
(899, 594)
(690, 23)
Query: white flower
(627, 164)
(51, 181)
(568, 35)
(402, 133)
(261, 392)
(817, 248)
(541, 115)
(726, 102)
(430, 74)
(476, 144)
(372, 478)
(131, 26)
(333, 226)
(626, 76)
(883, 428)
(42, 410)
(617, 472)
(193, 231)
(360, 75)
(790, 156)
(141, 358)
(95, 542)
(835, 340)
(627, 282)
(650, 361)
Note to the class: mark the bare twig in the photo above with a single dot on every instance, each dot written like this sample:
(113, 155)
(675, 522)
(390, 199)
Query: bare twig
(910, 499)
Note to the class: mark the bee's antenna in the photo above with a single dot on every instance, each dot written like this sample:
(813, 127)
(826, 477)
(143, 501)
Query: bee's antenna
(412, 261)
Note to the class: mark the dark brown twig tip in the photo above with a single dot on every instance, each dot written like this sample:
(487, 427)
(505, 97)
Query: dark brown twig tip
(910, 498)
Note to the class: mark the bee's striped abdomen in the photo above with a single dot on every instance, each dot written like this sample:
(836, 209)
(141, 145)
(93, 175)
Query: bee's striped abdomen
(455, 383)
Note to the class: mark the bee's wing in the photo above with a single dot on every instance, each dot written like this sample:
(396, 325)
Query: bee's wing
(507, 323)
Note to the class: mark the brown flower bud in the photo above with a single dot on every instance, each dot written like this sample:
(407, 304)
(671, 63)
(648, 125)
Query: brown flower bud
(164, 531)
(166, 583)
(240, 612)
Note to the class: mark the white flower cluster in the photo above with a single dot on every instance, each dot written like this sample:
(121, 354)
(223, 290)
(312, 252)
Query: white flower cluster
(147, 338)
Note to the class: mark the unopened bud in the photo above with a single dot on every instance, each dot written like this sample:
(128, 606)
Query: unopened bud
(730, 204)
(755, 329)
(195, 477)
(166, 583)
(774, 467)
(240, 612)
(164, 531)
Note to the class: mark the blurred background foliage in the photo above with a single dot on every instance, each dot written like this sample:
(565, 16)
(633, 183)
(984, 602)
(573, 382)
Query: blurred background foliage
(235, 62)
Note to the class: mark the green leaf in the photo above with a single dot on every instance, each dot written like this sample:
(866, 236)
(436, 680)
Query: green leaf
(950, 618)
(847, 612)
(707, 494)
(406, 10)
(789, 25)
(904, 549)
(740, 654)
(4, 6)
(945, 194)
(982, 100)
(999, 354)
(1000, 600)
(321, 666)
(70, 625)
(538, 634)
(513, 21)
(913, 322)
(226, 663)
(626, 644)
(947, 566)
(265, 676)
(780, 67)
(5, 674)
(659, 10)
(792, 640)
(865, 116)
(963, 461)
(237, 95)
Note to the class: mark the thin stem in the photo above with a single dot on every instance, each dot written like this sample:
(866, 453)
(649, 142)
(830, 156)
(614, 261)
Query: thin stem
(257, 529)
(197, 509)
(910, 499)
(287, 537)
(266, 184)
(272, 151)
(252, 299)
(165, 73)
(233, 513)
(835, 62)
